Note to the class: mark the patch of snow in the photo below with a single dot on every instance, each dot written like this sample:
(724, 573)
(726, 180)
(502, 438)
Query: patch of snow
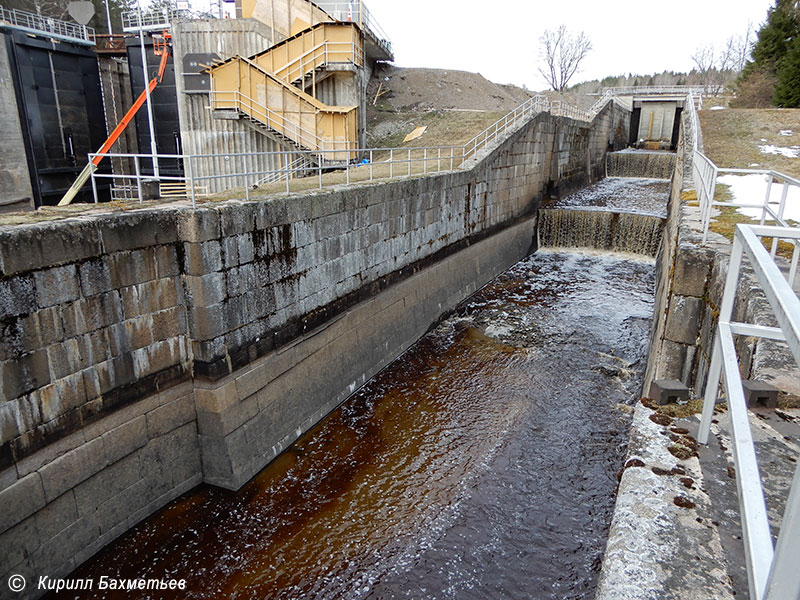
(717, 108)
(755, 165)
(787, 152)
(751, 189)
(786, 132)
(763, 140)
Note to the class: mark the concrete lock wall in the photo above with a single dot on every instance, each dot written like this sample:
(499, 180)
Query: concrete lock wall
(145, 352)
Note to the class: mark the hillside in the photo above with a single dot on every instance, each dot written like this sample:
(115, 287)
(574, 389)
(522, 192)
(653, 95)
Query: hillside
(454, 105)
(753, 138)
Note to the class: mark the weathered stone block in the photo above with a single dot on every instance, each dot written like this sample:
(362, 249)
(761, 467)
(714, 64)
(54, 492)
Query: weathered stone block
(57, 515)
(57, 286)
(132, 267)
(95, 277)
(25, 374)
(692, 269)
(18, 543)
(107, 483)
(20, 500)
(170, 416)
(17, 296)
(138, 230)
(72, 468)
(209, 322)
(684, 319)
(46, 245)
(202, 258)
(56, 555)
(125, 439)
(199, 225)
(205, 290)
(61, 396)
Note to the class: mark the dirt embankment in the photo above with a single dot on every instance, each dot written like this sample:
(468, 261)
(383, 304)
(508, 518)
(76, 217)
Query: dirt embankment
(454, 105)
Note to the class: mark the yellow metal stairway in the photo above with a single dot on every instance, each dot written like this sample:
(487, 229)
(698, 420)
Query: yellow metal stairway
(269, 90)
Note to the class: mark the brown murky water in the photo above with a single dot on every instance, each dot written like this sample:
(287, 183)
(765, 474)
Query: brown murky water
(480, 464)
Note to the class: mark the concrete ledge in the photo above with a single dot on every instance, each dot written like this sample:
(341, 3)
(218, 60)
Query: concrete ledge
(656, 549)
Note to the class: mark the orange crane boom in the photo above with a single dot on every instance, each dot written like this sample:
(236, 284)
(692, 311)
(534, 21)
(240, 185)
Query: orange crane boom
(90, 166)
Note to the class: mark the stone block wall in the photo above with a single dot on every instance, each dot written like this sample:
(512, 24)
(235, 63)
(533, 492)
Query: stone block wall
(691, 281)
(143, 352)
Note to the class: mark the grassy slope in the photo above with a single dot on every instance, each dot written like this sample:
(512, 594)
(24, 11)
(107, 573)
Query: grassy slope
(445, 128)
(731, 137)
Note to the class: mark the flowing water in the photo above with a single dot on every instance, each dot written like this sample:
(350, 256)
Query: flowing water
(480, 464)
(641, 163)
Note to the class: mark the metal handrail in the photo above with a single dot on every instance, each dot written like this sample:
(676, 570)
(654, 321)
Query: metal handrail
(682, 90)
(432, 160)
(38, 24)
(357, 12)
(356, 54)
(772, 573)
(277, 121)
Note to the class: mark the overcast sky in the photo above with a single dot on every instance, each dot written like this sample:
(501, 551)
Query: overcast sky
(500, 38)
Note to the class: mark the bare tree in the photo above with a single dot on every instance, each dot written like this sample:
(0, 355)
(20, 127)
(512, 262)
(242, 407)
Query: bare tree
(562, 52)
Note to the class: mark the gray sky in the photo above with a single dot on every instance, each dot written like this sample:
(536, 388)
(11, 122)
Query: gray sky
(500, 38)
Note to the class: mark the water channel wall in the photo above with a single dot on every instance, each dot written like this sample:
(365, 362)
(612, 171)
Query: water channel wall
(145, 352)
(691, 279)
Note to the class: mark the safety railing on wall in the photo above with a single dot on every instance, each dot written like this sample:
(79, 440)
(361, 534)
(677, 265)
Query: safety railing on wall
(48, 26)
(652, 90)
(355, 11)
(300, 171)
(242, 171)
(772, 572)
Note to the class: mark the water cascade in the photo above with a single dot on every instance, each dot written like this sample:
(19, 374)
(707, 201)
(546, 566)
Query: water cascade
(639, 163)
(600, 230)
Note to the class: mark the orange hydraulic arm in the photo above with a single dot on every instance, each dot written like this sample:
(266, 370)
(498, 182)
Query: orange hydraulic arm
(87, 171)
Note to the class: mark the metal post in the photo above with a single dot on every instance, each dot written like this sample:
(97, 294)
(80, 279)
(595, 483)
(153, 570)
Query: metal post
(766, 200)
(108, 19)
(425, 162)
(370, 165)
(94, 182)
(191, 181)
(138, 176)
(783, 581)
(726, 310)
(153, 148)
(246, 178)
(781, 208)
(439, 161)
(286, 168)
(319, 168)
(391, 163)
(409, 161)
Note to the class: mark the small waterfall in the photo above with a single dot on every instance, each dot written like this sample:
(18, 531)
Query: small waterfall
(652, 165)
(601, 230)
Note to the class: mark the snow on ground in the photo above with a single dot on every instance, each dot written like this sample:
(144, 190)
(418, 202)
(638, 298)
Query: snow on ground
(751, 189)
(786, 132)
(792, 152)
(717, 108)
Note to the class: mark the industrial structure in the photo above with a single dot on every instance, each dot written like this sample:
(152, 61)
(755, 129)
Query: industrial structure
(282, 83)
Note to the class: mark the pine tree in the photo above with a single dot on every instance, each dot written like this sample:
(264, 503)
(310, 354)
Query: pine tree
(787, 90)
(776, 54)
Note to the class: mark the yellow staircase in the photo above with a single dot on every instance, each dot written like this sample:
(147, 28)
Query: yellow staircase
(268, 89)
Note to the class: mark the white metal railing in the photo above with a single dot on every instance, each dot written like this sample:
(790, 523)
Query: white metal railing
(666, 90)
(772, 573)
(55, 28)
(356, 12)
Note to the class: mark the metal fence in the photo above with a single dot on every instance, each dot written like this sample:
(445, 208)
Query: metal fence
(356, 12)
(298, 168)
(658, 90)
(38, 24)
(772, 572)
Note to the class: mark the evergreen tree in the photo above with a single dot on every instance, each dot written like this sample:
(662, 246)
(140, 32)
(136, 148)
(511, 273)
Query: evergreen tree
(776, 55)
